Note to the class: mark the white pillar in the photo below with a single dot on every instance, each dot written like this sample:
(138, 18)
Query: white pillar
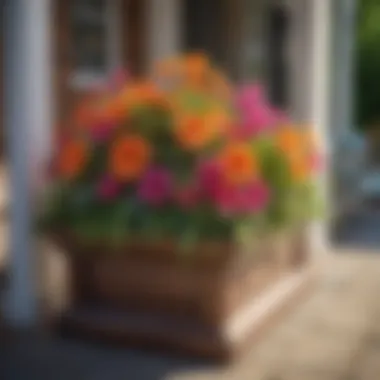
(164, 32)
(299, 57)
(320, 66)
(28, 110)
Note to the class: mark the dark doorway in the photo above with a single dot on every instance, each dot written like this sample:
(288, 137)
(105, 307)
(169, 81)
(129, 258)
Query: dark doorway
(204, 29)
(277, 70)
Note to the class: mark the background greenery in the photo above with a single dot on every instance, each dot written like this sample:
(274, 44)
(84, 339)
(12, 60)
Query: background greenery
(368, 64)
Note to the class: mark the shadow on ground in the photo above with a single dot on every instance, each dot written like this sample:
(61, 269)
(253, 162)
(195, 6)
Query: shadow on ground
(359, 231)
(36, 358)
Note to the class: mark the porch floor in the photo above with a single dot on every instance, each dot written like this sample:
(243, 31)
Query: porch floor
(334, 335)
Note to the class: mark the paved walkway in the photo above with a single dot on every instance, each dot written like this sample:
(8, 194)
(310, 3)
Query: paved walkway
(334, 335)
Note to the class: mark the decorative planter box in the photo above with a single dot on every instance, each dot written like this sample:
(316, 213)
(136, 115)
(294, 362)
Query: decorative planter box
(150, 296)
(185, 154)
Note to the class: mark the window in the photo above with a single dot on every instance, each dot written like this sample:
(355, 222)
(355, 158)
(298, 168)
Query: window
(95, 40)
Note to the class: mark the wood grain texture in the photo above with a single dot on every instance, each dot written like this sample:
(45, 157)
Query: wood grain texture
(172, 334)
(147, 296)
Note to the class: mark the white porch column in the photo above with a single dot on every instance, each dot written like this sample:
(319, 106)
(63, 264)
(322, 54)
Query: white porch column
(28, 110)
(164, 32)
(299, 51)
(320, 66)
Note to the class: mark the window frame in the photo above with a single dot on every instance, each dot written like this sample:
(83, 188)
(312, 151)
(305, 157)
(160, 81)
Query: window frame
(83, 79)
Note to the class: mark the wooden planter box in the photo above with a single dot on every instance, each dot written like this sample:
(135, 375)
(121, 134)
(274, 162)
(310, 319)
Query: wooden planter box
(150, 296)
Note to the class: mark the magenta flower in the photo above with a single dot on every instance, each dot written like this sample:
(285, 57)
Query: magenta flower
(227, 200)
(254, 197)
(209, 179)
(107, 188)
(232, 200)
(257, 115)
(250, 94)
(156, 187)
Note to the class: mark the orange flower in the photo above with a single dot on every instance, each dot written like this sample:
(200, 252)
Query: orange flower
(168, 68)
(72, 159)
(142, 92)
(115, 110)
(84, 115)
(299, 169)
(239, 164)
(193, 132)
(218, 121)
(129, 158)
(220, 86)
(289, 140)
(196, 68)
(90, 114)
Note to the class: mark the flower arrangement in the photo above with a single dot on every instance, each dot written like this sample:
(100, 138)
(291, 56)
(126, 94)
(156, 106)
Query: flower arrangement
(184, 155)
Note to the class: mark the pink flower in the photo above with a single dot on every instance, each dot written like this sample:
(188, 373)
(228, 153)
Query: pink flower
(107, 188)
(155, 187)
(257, 115)
(259, 118)
(250, 94)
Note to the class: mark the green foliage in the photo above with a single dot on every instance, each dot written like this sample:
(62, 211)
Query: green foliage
(157, 165)
(368, 64)
(277, 174)
(291, 203)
